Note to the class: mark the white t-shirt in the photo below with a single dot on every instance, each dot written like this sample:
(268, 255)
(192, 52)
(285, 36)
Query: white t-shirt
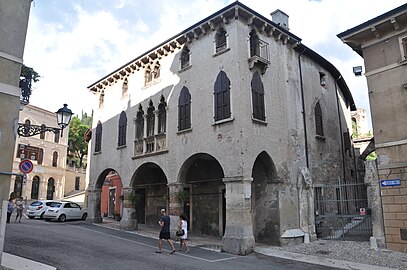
(185, 228)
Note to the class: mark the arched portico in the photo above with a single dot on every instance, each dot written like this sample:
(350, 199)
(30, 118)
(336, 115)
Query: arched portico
(203, 194)
(265, 203)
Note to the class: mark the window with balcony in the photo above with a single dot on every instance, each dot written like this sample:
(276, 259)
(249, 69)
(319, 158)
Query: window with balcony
(162, 116)
(140, 123)
(56, 136)
(98, 137)
(258, 52)
(185, 57)
(150, 119)
(184, 109)
(258, 97)
(222, 97)
(122, 129)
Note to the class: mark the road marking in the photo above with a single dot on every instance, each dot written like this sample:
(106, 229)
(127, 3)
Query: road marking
(154, 247)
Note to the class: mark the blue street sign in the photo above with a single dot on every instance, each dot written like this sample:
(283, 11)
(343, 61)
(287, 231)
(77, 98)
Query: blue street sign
(26, 166)
(390, 182)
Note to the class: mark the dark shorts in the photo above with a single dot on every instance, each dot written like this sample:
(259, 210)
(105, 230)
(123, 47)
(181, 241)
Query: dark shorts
(165, 235)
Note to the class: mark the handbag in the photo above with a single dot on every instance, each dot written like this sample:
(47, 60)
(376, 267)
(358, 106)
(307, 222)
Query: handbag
(180, 232)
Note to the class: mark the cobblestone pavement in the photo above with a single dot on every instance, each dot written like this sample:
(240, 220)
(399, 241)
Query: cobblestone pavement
(358, 252)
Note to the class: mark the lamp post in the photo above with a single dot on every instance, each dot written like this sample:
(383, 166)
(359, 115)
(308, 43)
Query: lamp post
(63, 118)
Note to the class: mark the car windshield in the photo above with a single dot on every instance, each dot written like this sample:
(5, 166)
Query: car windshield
(36, 203)
(56, 204)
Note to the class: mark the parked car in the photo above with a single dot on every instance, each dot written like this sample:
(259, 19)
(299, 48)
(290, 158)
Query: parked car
(37, 208)
(62, 211)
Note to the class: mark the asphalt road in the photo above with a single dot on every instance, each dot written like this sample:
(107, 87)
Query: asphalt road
(80, 245)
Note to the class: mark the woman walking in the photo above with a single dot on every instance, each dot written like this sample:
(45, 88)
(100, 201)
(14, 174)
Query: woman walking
(183, 225)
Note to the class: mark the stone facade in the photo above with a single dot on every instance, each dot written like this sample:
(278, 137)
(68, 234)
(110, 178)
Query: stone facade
(382, 42)
(47, 152)
(246, 167)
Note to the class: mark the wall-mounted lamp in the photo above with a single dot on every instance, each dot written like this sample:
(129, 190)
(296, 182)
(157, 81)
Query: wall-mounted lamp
(357, 70)
(63, 119)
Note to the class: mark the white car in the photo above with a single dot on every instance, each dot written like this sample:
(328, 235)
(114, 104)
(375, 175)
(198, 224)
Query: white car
(62, 211)
(37, 208)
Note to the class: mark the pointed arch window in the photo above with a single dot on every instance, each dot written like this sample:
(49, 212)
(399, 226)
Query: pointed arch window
(148, 76)
(140, 123)
(98, 137)
(57, 135)
(156, 70)
(254, 44)
(125, 87)
(55, 159)
(319, 130)
(258, 97)
(35, 187)
(222, 97)
(220, 40)
(184, 109)
(162, 116)
(185, 57)
(42, 134)
(150, 119)
(101, 99)
(121, 139)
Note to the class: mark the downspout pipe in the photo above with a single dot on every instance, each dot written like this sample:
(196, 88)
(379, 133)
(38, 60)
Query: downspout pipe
(340, 128)
(303, 109)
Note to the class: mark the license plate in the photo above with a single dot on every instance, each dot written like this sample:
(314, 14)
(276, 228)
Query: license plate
(31, 213)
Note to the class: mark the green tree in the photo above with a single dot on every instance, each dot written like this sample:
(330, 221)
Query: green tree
(28, 76)
(77, 146)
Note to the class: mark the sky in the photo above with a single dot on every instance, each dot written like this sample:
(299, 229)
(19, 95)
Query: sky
(74, 43)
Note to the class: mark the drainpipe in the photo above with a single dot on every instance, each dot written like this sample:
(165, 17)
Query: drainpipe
(303, 109)
(340, 127)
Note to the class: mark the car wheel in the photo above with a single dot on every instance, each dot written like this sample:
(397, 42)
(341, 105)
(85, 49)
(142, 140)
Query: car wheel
(62, 218)
(31, 217)
(84, 216)
(42, 215)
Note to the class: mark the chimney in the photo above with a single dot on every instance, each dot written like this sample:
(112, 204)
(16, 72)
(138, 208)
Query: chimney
(280, 18)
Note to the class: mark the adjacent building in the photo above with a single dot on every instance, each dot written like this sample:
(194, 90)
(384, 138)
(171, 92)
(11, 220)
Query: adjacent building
(232, 121)
(382, 42)
(13, 28)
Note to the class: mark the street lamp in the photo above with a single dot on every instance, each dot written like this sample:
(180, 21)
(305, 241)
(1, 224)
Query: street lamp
(63, 118)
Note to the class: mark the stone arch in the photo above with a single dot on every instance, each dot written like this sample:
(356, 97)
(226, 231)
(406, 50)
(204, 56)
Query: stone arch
(265, 203)
(149, 184)
(202, 177)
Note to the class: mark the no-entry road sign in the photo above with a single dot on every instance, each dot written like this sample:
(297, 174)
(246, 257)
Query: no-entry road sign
(26, 166)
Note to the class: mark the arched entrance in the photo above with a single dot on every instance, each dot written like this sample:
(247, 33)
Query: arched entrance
(202, 177)
(50, 189)
(265, 204)
(35, 187)
(150, 193)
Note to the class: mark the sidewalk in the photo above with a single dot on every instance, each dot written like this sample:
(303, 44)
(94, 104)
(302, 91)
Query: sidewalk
(358, 255)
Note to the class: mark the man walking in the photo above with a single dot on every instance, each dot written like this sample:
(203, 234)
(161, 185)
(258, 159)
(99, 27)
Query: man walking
(165, 232)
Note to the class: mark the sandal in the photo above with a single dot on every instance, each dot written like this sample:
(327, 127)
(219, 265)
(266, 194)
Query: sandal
(172, 252)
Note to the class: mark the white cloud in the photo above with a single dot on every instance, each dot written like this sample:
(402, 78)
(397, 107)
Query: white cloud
(71, 54)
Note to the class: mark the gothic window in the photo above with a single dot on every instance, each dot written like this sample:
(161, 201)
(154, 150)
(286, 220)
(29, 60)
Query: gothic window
(258, 97)
(222, 97)
(101, 99)
(254, 44)
(162, 116)
(220, 40)
(148, 76)
(184, 109)
(122, 129)
(98, 137)
(42, 134)
(318, 120)
(185, 57)
(156, 70)
(140, 123)
(35, 187)
(404, 48)
(150, 119)
(55, 159)
(125, 87)
(322, 79)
